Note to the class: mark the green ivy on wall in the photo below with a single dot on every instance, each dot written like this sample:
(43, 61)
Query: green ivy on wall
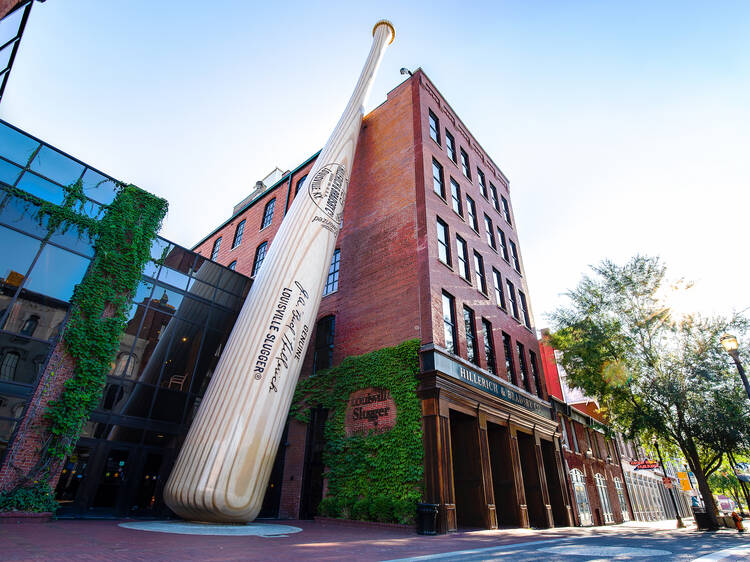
(98, 317)
(374, 476)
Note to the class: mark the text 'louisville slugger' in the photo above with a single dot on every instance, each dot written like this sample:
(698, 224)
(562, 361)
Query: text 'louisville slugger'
(223, 468)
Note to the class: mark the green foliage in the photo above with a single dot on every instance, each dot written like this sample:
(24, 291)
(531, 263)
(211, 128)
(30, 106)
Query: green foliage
(654, 372)
(377, 475)
(329, 507)
(36, 498)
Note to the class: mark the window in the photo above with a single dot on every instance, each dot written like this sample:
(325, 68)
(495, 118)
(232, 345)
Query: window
(465, 163)
(450, 145)
(503, 244)
(471, 210)
(621, 499)
(299, 184)
(482, 183)
(493, 193)
(582, 497)
(233, 265)
(508, 358)
(260, 254)
(444, 249)
(575, 437)
(29, 327)
(601, 486)
(524, 309)
(506, 210)
(535, 372)
(462, 254)
(437, 178)
(479, 271)
(490, 233)
(514, 254)
(268, 213)
(449, 322)
(456, 197)
(512, 298)
(332, 281)
(215, 250)
(497, 282)
(8, 365)
(566, 440)
(434, 127)
(489, 346)
(324, 333)
(522, 365)
(472, 354)
(238, 234)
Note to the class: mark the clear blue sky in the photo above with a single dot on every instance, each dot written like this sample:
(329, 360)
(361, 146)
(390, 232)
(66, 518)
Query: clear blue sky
(623, 127)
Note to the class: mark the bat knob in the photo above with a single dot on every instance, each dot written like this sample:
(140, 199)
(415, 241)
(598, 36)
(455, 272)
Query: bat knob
(390, 26)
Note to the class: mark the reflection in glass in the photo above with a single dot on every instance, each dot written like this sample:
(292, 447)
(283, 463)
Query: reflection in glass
(100, 188)
(72, 476)
(16, 146)
(74, 239)
(42, 188)
(9, 172)
(175, 278)
(56, 273)
(10, 25)
(20, 214)
(159, 249)
(15, 259)
(21, 359)
(56, 166)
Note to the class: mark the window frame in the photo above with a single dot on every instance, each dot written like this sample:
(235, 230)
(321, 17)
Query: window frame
(215, 248)
(444, 243)
(472, 350)
(433, 124)
(438, 181)
(449, 323)
(450, 146)
(512, 298)
(465, 166)
(256, 264)
(510, 367)
(479, 272)
(497, 282)
(456, 197)
(514, 256)
(462, 257)
(332, 279)
(488, 226)
(489, 346)
(524, 309)
(238, 233)
(503, 244)
(482, 181)
(471, 211)
(506, 210)
(268, 216)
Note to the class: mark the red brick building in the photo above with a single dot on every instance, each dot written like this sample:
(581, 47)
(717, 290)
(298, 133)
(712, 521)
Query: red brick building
(428, 250)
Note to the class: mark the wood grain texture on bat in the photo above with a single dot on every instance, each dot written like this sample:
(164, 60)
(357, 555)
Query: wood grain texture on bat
(223, 468)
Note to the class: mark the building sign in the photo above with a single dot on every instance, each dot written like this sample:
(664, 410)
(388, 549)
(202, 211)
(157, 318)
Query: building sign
(370, 410)
(495, 387)
(667, 483)
(644, 464)
(684, 481)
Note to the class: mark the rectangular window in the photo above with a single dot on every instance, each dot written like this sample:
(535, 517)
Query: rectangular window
(449, 322)
(215, 250)
(450, 145)
(493, 194)
(490, 233)
(299, 184)
(332, 281)
(514, 255)
(260, 255)
(522, 365)
(574, 437)
(268, 213)
(471, 210)
(499, 295)
(465, 163)
(506, 210)
(438, 184)
(456, 197)
(238, 234)
(479, 271)
(508, 358)
(503, 244)
(566, 440)
(434, 127)
(535, 373)
(444, 249)
(472, 353)
(489, 346)
(512, 298)
(524, 309)
(482, 183)
(324, 334)
(462, 255)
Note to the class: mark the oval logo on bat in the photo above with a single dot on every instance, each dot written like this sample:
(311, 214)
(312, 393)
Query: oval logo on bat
(328, 190)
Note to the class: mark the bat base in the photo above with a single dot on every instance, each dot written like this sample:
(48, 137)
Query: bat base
(213, 529)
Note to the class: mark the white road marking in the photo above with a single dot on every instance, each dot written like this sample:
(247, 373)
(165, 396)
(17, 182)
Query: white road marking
(457, 553)
(725, 554)
(609, 551)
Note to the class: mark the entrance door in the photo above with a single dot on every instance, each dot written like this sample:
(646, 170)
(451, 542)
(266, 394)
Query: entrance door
(312, 479)
(531, 482)
(503, 480)
(272, 499)
(554, 486)
(113, 478)
(467, 471)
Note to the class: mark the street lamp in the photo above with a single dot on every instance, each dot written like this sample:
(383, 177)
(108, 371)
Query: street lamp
(729, 342)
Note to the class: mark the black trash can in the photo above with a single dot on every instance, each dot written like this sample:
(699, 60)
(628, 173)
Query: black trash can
(702, 520)
(427, 518)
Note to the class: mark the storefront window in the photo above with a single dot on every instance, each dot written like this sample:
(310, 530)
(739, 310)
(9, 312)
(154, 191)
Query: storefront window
(601, 486)
(621, 499)
(582, 497)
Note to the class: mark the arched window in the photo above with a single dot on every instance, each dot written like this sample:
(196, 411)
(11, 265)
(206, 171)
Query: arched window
(621, 499)
(238, 234)
(8, 365)
(601, 487)
(268, 213)
(324, 334)
(582, 497)
(29, 327)
(126, 363)
(260, 254)
(215, 250)
(332, 281)
(299, 184)
(233, 265)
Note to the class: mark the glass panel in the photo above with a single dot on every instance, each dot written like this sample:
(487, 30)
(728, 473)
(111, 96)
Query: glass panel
(126, 434)
(169, 301)
(16, 146)
(113, 475)
(56, 273)
(73, 473)
(56, 166)
(160, 249)
(18, 252)
(19, 214)
(230, 301)
(222, 319)
(41, 188)
(151, 269)
(9, 25)
(9, 172)
(5, 56)
(100, 188)
(35, 316)
(180, 259)
(11, 409)
(21, 359)
(74, 239)
(200, 289)
(176, 278)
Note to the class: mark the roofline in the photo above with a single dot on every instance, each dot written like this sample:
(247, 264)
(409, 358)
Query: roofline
(258, 197)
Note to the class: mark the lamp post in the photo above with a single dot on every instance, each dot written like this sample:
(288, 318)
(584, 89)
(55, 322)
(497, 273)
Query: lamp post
(729, 342)
(680, 524)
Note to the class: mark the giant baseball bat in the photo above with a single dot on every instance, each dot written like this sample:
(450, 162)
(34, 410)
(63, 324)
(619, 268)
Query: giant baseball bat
(223, 468)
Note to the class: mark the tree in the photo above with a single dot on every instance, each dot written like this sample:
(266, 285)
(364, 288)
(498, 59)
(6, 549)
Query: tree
(724, 480)
(654, 372)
